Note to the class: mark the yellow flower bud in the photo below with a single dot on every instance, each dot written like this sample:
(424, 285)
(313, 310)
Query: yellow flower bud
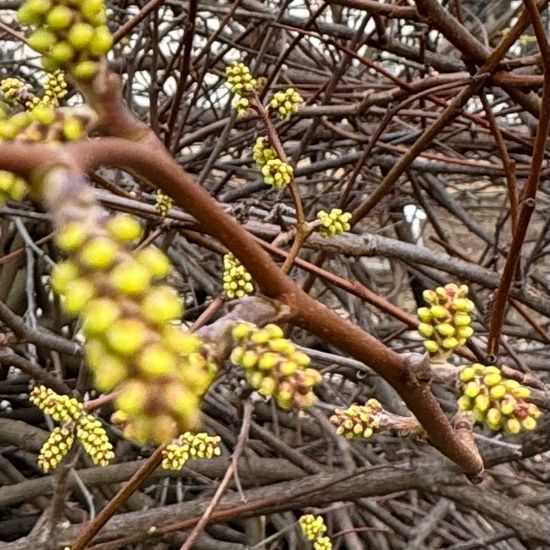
(124, 228)
(99, 315)
(98, 253)
(71, 236)
(425, 330)
(472, 389)
(431, 346)
(130, 278)
(126, 336)
(77, 295)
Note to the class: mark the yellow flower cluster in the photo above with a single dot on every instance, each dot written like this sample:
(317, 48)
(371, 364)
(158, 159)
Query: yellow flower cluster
(61, 408)
(16, 92)
(322, 543)
(261, 152)
(274, 171)
(495, 401)
(55, 448)
(286, 103)
(277, 173)
(241, 105)
(313, 527)
(11, 187)
(189, 446)
(236, 279)
(242, 84)
(274, 366)
(163, 203)
(70, 35)
(55, 87)
(445, 324)
(158, 369)
(70, 412)
(94, 439)
(240, 80)
(334, 222)
(358, 421)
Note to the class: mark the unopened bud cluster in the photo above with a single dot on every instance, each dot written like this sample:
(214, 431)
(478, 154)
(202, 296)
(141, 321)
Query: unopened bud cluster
(286, 103)
(61, 408)
(237, 282)
(70, 412)
(163, 203)
(18, 93)
(273, 366)
(313, 529)
(358, 421)
(262, 152)
(322, 543)
(189, 446)
(94, 439)
(275, 172)
(334, 222)
(495, 401)
(445, 323)
(55, 87)
(55, 448)
(70, 35)
(158, 369)
(242, 84)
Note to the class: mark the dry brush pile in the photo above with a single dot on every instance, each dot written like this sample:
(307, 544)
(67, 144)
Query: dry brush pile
(274, 274)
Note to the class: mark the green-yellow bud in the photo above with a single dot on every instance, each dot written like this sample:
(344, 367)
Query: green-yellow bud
(464, 403)
(445, 329)
(462, 319)
(98, 253)
(62, 52)
(124, 228)
(85, 70)
(467, 374)
(126, 336)
(156, 361)
(439, 312)
(131, 278)
(101, 42)
(431, 346)
(155, 261)
(494, 419)
(99, 315)
(512, 426)
(42, 40)
(162, 304)
(425, 330)
(424, 314)
(464, 332)
(450, 343)
(472, 389)
(497, 392)
(463, 305)
(59, 17)
(77, 295)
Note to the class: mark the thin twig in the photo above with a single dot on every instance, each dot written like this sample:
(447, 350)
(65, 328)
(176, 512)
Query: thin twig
(239, 449)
